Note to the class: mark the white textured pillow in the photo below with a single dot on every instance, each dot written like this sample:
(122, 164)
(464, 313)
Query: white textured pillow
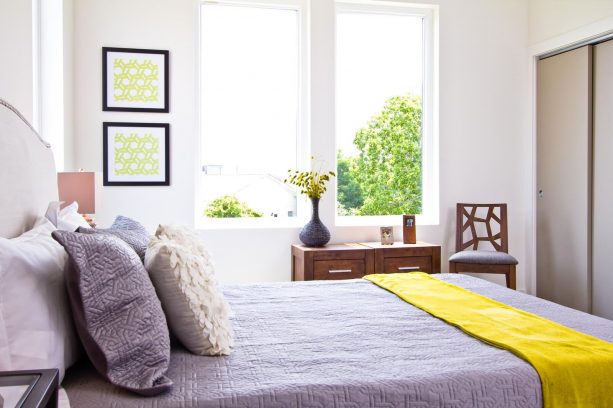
(66, 219)
(188, 238)
(183, 275)
(36, 329)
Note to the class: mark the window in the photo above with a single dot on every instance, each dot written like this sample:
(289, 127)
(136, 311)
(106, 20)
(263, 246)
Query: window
(258, 77)
(49, 61)
(251, 110)
(384, 132)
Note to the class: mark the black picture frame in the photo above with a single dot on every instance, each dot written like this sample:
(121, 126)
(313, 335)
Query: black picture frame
(108, 106)
(107, 181)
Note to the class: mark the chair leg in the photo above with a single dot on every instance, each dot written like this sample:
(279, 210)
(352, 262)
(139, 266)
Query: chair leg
(510, 276)
(452, 267)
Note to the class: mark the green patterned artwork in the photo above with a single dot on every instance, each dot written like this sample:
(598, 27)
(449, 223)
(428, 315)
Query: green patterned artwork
(135, 81)
(136, 155)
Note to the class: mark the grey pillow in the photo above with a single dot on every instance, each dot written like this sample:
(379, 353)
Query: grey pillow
(128, 230)
(116, 312)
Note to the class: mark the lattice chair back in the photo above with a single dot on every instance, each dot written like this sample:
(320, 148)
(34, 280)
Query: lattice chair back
(481, 223)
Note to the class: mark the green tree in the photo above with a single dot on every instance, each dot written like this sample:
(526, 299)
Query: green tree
(229, 207)
(349, 193)
(388, 169)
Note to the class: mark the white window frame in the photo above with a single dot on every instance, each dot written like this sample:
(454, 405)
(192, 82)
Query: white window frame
(305, 146)
(303, 127)
(430, 156)
(49, 70)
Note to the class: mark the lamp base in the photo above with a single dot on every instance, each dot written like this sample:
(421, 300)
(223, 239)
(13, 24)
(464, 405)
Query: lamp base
(89, 220)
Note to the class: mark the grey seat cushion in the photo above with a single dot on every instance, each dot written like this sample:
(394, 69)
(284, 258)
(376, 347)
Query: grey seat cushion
(116, 312)
(483, 257)
(128, 230)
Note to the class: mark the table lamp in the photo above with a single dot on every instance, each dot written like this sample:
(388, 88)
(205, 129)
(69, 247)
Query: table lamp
(79, 186)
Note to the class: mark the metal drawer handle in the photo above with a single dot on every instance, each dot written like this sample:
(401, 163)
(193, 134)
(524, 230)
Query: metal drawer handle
(339, 271)
(408, 268)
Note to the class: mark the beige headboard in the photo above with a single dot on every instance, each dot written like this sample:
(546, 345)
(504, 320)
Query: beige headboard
(28, 181)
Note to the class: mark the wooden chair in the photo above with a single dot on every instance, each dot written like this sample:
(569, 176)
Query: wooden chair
(483, 261)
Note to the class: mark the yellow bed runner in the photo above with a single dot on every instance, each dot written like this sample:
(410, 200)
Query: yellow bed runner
(576, 370)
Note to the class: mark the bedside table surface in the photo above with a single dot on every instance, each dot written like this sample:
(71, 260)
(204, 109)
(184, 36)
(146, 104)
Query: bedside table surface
(398, 244)
(350, 246)
(29, 389)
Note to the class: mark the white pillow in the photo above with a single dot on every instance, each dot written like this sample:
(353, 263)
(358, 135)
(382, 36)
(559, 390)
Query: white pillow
(66, 219)
(36, 329)
(188, 238)
(183, 275)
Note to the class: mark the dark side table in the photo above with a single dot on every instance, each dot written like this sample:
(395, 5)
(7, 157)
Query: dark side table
(354, 260)
(29, 389)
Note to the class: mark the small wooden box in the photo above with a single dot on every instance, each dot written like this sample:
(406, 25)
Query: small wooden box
(408, 229)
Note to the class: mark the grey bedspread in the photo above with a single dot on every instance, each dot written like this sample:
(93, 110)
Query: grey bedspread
(345, 344)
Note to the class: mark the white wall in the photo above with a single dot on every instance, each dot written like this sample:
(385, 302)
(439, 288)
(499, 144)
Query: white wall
(549, 19)
(16, 75)
(19, 24)
(484, 124)
(155, 24)
(485, 112)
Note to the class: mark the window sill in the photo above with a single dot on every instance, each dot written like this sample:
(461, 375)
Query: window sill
(381, 221)
(249, 223)
(299, 222)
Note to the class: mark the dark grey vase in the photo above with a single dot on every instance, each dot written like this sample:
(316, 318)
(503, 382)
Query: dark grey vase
(315, 233)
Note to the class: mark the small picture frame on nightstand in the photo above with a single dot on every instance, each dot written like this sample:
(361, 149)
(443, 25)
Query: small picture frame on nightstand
(387, 236)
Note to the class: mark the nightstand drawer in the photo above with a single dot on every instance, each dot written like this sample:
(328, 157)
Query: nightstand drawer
(408, 264)
(339, 269)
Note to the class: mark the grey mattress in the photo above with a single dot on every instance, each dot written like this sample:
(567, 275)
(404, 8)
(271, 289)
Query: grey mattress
(345, 344)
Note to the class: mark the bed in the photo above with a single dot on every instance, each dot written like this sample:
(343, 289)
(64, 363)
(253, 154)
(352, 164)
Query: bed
(306, 344)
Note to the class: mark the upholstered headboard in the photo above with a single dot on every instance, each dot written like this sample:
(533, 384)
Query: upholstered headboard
(28, 181)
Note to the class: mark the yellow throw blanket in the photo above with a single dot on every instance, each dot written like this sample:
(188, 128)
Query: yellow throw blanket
(576, 370)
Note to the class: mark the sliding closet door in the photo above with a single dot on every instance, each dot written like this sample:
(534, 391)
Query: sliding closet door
(602, 242)
(564, 102)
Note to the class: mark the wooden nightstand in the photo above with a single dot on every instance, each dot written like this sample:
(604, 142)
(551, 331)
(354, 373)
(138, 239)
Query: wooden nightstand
(354, 260)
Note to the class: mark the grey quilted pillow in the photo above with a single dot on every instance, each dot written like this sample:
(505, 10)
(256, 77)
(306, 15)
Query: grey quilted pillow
(116, 311)
(128, 230)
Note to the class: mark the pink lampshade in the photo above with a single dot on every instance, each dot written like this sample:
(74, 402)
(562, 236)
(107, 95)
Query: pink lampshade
(79, 187)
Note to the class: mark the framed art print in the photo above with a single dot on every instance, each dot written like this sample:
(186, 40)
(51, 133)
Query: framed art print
(136, 154)
(134, 80)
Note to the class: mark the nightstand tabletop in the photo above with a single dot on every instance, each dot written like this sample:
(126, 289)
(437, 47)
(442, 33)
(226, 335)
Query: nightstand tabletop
(398, 244)
(30, 388)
